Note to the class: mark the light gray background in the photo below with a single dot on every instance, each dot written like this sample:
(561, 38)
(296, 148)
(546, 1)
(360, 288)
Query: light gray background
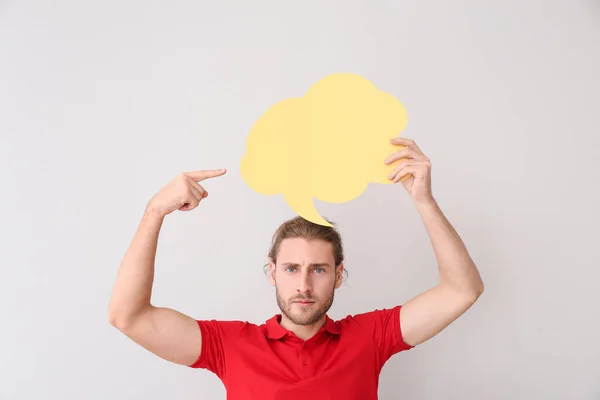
(102, 103)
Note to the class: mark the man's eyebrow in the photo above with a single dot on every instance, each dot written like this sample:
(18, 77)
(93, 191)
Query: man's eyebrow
(314, 265)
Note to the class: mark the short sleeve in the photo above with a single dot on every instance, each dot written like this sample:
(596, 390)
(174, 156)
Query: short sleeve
(216, 335)
(384, 327)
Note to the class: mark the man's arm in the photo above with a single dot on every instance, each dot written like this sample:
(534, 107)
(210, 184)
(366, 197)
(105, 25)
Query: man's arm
(167, 333)
(460, 285)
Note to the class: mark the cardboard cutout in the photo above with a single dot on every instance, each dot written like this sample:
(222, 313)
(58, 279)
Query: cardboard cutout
(328, 145)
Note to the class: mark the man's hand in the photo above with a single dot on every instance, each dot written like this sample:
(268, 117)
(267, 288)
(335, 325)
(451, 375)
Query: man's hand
(414, 171)
(183, 193)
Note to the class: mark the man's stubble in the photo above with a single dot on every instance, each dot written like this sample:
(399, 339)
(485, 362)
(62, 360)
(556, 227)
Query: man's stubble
(308, 316)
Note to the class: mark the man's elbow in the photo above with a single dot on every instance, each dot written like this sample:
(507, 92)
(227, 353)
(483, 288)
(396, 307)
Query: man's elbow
(477, 291)
(123, 325)
(125, 319)
(471, 293)
(119, 320)
(475, 286)
(115, 320)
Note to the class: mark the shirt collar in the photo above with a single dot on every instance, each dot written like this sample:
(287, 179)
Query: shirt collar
(276, 331)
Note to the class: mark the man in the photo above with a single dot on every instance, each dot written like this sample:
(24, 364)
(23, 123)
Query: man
(301, 352)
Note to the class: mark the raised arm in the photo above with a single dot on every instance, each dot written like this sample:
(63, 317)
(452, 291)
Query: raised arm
(460, 285)
(430, 312)
(167, 333)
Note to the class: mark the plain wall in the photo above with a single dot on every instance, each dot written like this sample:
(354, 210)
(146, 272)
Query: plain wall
(103, 103)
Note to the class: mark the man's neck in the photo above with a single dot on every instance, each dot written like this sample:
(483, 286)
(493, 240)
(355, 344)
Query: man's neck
(303, 332)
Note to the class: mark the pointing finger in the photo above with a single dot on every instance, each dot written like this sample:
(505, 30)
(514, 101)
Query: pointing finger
(205, 174)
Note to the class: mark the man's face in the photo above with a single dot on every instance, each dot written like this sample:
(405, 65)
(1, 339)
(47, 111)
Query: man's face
(305, 279)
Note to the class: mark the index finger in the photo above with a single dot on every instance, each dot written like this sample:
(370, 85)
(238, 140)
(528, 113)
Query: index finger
(205, 174)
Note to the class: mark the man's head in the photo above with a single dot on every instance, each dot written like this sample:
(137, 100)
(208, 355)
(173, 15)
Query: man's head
(306, 267)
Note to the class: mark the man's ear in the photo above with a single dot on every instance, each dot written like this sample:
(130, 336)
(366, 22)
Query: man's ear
(272, 273)
(339, 275)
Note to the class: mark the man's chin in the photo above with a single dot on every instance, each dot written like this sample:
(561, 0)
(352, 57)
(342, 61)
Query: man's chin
(304, 317)
(303, 321)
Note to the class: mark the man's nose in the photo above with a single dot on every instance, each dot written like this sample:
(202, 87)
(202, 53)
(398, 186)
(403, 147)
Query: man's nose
(305, 284)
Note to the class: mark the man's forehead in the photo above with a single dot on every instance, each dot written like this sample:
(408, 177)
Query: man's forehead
(305, 252)
(301, 243)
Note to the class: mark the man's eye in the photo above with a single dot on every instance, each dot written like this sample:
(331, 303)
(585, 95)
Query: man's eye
(319, 270)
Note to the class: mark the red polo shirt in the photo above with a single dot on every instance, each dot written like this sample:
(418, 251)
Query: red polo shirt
(267, 362)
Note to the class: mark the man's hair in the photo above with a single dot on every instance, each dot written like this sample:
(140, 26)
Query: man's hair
(299, 227)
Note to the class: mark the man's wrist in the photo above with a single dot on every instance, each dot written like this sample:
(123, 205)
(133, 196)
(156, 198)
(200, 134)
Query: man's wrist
(154, 212)
(429, 203)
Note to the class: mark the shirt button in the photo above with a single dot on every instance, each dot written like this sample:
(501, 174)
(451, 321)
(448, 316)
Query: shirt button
(304, 362)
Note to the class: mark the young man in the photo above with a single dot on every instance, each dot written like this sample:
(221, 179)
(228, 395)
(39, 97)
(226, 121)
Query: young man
(300, 353)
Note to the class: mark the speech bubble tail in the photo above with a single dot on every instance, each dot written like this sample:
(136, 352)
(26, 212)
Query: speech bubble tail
(305, 207)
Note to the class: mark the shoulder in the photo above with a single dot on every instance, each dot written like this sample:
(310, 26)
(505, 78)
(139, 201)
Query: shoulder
(383, 325)
(231, 328)
(218, 338)
(377, 316)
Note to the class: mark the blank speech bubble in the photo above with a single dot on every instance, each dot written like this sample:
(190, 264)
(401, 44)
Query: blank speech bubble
(328, 145)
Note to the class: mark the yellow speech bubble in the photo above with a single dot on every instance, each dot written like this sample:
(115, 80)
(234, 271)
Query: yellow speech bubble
(328, 145)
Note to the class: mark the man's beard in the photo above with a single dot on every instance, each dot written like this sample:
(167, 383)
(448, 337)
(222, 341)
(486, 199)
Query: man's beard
(307, 316)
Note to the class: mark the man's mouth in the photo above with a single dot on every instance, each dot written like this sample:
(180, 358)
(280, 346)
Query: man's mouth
(303, 301)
